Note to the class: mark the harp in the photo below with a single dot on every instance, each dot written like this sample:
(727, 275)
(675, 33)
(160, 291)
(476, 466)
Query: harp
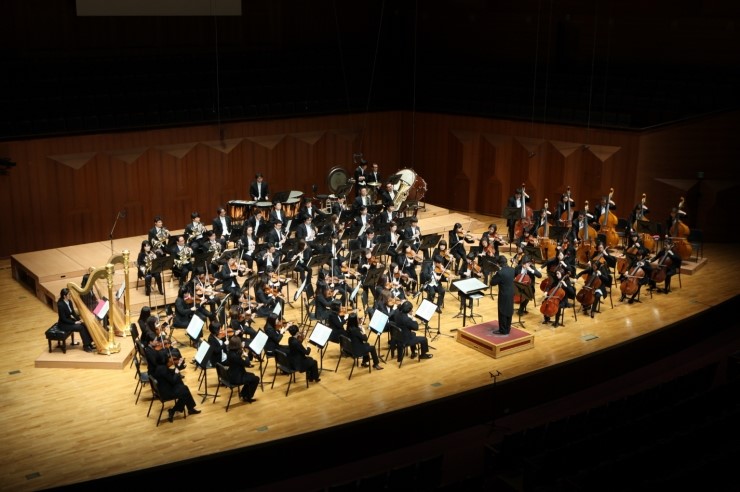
(104, 340)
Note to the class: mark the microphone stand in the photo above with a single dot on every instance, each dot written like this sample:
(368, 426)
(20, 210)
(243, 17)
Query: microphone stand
(110, 236)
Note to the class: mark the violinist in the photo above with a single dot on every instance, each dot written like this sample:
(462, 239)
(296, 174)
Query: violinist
(598, 268)
(217, 341)
(157, 338)
(237, 370)
(470, 268)
(457, 239)
(494, 241)
(274, 330)
(443, 251)
(144, 264)
(264, 295)
(360, 344)
(409, 326)
(433, 275)
(332, 275)
(517, 200)
(324, 297)
(504, 279)
(668, 263)
(408, 268)
(240, 322)
(336, 321)
(524, 276)
(230, 274)
(185, 309)
(222, 226)
(171, 386)
(299, 358)
(385, 302)
(367, 263)
(564, 283)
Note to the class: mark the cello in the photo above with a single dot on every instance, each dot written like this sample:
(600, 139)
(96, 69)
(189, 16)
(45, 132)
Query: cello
(548, 246)
(587, 235)
(586, 295)
(661, 267)
(524, 222)
(522, 279)
(608, 222)
(555, 295)
(679, 232)
(629, 285)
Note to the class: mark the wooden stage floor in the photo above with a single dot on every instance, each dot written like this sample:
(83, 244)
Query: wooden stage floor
(65, 426)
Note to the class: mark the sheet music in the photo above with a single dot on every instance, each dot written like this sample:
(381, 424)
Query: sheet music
(101, 309)
(469, 285)
(195, 327)
(378, 322)
(257, 345)
(202, 353)
(426, 310)
(277, 309)
(320, 335)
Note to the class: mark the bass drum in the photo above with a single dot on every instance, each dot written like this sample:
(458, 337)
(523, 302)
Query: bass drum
(411, 186)
(338, 181)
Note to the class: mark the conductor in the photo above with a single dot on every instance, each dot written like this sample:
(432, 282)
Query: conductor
(504, 278)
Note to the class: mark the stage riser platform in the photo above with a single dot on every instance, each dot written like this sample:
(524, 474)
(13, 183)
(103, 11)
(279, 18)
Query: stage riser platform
(479, 338)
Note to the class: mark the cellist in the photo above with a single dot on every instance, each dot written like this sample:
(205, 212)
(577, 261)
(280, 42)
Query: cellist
(599, 267)
(526, 270)
(668, 260)
(570, 293)
(634, 272)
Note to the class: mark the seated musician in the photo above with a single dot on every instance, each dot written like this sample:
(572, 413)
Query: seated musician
(385, 302)
(274, 330)
(456, 239)
(230, 274)
(302, 255)
(360, 345)
(433, 275)
(394, 239)
(667, 260)
(336, 321)
(641, 263)
(240, 321)
(183, 263)
(194, 231)
(277, 214)
(158, 236)
(388, 195)
(525, 267)
(277, 237)
(247, 246)
(362, 200)
(306, 230)
(307, 210)
(340, 205)
(144, 264)
(412, 234)
(259, 225)
(601, 209)
(214, 249)
(494, 240)
(170, 384)
(222, 226)
(217, 341)
(409, 326)
(299, 358)
(367, 240)
(388, 214)
(597, 266)
(270, 259)
(470, 268)
(237, 370)
(324, 298)
(373, 175)
(331, 274)
(156, 337)
(409, 261)
(565, 205)
(69, 320)
(558, 278)
(334, 249)
(366, 263)
(362, 221)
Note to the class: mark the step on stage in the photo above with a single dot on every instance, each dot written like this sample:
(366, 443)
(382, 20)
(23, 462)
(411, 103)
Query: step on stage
(481, 338)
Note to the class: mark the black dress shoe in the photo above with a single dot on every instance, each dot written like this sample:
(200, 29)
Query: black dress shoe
(413, 355)
(631, 301)
(194, 411)
(170, 414)
(88, 349)
(378, 367)
(426, 356)
(365, 364)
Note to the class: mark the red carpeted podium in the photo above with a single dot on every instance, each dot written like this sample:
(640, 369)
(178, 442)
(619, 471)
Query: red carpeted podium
(480, 338)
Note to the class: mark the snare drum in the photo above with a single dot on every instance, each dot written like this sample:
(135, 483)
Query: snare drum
(264, 209)
(291, 206)
(238, 210)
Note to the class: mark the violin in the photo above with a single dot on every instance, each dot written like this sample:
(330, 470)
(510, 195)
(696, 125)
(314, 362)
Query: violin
(374, 260)
(411, 255)
(464, 236)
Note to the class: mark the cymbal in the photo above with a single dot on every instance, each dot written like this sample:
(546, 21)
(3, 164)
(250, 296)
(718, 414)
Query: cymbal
(374, 184)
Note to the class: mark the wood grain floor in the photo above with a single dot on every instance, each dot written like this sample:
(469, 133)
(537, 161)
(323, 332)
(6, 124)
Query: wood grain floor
(70, 425)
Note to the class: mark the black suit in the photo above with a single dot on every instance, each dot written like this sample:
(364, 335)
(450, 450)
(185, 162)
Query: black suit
(300, 361)
(255, 194)
(275, 216)
(361, 346)
(504, 278)
(409, 326)
(68, 322)
(218, 226)
(238, 374)
(171, 386)
(259, 226)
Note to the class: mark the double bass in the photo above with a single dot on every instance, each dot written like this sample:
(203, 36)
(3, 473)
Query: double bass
(555, 295)
(608, 223)
(566, 217)
(524, 222)
(679, 233)
(548, 246)
(646, 239)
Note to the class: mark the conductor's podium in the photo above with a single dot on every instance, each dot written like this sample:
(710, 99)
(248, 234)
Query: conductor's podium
(480, 337)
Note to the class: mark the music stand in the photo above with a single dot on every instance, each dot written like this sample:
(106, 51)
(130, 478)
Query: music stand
(425, 312)
(429, 241)
(159, 265)
(377, 324)
(257, 346)
(534, 253)
(203, 361)
(194, 329)
(320, 337)
(525, 292)
(558, 232)
(488, 265)
(288, 266)
(470, 289)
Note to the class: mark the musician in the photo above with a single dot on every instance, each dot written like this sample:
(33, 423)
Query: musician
(170, 384)
(457, 239)
(144, 265)
(565, 205)
(307, 210)
(670, 261)
(388, 194)
(413, 234)
(402, 318)
(361, 174)
(277, 214)
(384, 302)
(182, 265)
(264, 296)
(340, 205)
(639, 212)
(258, 223)
(247, 246)
(600, 210)
(470, 268)
(486, 251)
(214, 248)
(274, 330)
(599, 267)
(504, 279)
(158, 236)
(302, 253)
(332, 276)
(229, 274)
(676, 215)
(360, 345)
(585, 219)
(194, 231)
(367, 240)
(69, 320)
(306, 231)
(517, 200)
(237, 370)
(156, 336)
(493, 238)
(433, 275)
(222, 226)
(299, 358)
(362, 200)
(324, 297)
(528, 268)
(442, 250)
(570, 293)
(336, 321)
(362, 221)
(387, 216)
(640, 263)
(240, 321)
(374, 175)
(217, 341)
(334, 248)
(393, 238)
(408, 264)
(277, 236)
(258, 190)
(366, 263)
